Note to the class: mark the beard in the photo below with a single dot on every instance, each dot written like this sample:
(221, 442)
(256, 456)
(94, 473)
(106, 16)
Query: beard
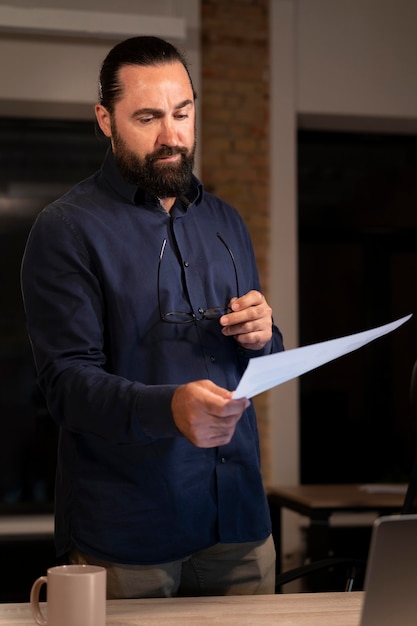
(163, 180)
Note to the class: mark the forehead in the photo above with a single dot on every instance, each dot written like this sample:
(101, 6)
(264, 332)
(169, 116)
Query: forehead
(166, 83)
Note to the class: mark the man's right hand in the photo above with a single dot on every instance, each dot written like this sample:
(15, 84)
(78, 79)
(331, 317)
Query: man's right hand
(206, 414)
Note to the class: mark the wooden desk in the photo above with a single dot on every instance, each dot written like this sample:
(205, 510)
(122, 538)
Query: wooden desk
(318, 609)
(319, 502)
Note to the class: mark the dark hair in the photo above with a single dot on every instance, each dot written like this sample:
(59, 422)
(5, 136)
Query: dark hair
(144, 50)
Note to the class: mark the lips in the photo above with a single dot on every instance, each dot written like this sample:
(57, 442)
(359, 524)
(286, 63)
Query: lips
(166, 153)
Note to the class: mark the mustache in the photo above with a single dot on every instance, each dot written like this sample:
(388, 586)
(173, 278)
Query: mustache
(166, 151)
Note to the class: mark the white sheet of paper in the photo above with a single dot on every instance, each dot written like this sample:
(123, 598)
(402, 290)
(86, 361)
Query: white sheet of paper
(265, 372)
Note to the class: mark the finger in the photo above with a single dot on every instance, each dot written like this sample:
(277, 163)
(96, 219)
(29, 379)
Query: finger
(245, 328)
(212, 390)
(251, 298)
(256, 311)
(233, 409)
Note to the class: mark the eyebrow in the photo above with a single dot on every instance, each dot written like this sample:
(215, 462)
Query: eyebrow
(160, 112)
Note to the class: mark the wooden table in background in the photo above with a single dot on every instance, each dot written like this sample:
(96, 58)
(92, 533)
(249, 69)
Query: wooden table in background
(307, 609)
(319, 502)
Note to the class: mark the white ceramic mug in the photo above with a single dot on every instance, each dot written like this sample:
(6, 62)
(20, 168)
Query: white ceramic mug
(76, 596)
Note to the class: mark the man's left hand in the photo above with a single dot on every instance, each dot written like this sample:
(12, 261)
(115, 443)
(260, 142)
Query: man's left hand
(250, 321)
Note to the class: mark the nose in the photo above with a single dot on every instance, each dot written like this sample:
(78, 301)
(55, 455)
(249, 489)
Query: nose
(168, 135)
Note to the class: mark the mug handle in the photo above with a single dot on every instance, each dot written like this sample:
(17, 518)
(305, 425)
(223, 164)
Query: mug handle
(34, 601)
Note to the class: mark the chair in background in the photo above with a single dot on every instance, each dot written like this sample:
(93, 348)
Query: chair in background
(410, 500)
(352, 569)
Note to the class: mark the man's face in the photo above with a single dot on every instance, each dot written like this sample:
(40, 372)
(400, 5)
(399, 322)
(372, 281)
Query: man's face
(152, 128)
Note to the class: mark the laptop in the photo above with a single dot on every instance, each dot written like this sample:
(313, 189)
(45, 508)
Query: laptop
(390, 585)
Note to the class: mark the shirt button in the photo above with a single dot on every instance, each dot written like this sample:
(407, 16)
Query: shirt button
(223, 459)
(186, 264)
(200, 310)
(212, 358)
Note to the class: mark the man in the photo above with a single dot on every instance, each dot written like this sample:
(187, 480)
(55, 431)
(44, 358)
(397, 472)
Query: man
(143, 307)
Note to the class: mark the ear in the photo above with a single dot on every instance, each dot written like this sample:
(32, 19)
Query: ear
(103, 119)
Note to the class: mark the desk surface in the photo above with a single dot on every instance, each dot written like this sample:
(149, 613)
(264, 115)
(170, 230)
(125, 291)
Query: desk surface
(350, 497)
(318, 609)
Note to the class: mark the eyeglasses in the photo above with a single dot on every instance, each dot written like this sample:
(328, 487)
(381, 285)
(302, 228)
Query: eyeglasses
(183, 317)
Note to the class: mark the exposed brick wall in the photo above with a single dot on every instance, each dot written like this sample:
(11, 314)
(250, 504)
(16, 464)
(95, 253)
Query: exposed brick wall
(235, 127)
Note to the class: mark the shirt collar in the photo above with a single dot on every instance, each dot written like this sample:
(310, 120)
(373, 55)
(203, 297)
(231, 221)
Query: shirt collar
(135, 195)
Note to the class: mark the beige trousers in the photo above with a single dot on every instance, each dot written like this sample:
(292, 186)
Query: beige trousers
(223, 569)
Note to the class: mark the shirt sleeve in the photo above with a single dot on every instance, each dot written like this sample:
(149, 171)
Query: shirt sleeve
(66, 322)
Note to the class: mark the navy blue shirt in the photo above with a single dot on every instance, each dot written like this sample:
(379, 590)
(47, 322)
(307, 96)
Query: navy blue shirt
(130, 487)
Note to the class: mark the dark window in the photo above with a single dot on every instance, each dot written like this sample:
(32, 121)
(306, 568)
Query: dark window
(358, 268)
(39, 160)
